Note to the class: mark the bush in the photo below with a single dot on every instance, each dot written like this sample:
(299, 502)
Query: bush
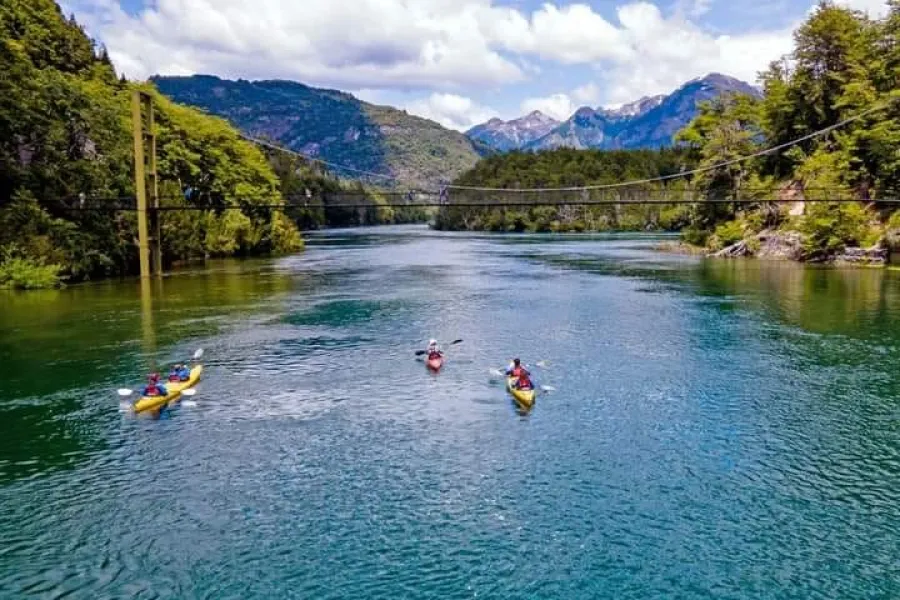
(17, 272)
(728, 233)
(694, 236)
(831, 227)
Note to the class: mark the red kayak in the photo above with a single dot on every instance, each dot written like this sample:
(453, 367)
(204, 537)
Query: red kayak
(435, 363)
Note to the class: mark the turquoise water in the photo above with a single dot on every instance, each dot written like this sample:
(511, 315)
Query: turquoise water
(718, 429)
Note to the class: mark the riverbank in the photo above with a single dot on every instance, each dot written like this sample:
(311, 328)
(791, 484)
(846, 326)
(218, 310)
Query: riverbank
(784, 245)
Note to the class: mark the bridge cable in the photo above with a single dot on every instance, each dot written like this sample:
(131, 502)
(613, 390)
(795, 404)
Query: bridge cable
(726, 163)
(313, 159)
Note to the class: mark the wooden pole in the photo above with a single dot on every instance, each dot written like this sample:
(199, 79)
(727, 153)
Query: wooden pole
(140, 182)
(155, 239)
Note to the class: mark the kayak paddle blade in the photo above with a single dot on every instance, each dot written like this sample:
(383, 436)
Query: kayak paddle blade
(188, 392)
(198, 354)
(455, 342)
(420, 352)
(124, 392)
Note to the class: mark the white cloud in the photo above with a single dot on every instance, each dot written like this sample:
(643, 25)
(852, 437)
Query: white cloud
(666, 52)
(448, 46)
(588, 94)
(451, 111)
(570, 35)
(364, 43)
(698, 8)
(875, 8)
(558, 106)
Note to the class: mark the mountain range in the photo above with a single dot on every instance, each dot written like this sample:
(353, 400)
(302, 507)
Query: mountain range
(341, 129)
(333, 126)
(650, 122)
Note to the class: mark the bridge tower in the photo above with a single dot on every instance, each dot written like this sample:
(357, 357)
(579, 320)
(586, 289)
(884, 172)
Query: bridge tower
(145, 184)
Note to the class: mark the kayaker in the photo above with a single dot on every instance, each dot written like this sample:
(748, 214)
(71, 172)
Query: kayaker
(434, 351)
(524, 381)
(154, 387)
(516, 368)
(179, 373)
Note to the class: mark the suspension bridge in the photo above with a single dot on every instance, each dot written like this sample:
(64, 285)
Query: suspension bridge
(662, 190)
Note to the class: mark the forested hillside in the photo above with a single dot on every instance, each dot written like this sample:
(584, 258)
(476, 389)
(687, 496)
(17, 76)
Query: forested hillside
(334, 126)
(66, 153)
(564, 168)
(844, 65)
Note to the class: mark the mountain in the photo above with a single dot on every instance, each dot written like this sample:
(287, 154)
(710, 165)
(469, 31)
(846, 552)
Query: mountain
(334, 126)
(508, 135)
(650, 122)
(636, 108)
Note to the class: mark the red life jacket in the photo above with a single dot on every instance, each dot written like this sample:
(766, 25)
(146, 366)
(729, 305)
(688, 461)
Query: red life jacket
(524, 381)
(434, 355)
(152, 390)
(174, 377)
(518, 371)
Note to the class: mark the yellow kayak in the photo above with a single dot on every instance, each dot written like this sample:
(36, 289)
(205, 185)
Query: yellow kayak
(174, 389)
(524, 397)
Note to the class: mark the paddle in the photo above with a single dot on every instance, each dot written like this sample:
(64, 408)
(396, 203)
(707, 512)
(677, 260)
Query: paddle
(124, 392)
(421, 352)
(502, 374)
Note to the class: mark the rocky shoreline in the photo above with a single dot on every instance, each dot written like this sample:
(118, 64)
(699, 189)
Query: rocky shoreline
(783, 245)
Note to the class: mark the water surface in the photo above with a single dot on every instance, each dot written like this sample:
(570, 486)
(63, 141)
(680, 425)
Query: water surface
(719, 429)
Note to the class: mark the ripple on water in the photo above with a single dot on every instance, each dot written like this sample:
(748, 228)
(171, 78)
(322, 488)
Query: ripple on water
(696, 446)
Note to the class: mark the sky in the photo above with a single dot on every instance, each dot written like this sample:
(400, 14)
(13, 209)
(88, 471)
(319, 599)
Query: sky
(459, 62)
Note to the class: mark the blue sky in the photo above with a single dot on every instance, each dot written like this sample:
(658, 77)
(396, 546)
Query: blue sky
(456, 61)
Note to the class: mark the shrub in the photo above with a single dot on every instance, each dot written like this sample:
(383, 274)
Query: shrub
(694, 236)
(831, 227)
(18, 272)
(730, 232)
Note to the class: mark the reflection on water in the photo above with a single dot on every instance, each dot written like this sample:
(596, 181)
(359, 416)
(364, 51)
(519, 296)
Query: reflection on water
(65, 351)
(719, 429)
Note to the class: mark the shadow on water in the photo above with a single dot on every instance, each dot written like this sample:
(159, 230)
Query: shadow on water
(854, 301)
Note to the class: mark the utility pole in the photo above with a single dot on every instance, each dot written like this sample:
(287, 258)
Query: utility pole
(145, 184)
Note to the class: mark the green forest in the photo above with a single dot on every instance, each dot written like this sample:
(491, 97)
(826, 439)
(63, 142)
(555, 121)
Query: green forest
(844, 64)
(565, 168)
(66, 158)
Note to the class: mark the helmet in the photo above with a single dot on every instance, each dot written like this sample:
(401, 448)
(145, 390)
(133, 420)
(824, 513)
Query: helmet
(154, 377)
(432, 342)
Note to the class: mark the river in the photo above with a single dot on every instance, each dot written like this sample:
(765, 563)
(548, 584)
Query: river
(718, 429)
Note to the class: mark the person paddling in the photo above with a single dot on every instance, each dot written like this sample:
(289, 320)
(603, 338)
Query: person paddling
(179, 373)
(154, 387)
(433, 351)
(524, 381)
(515, 368)
(523, 377)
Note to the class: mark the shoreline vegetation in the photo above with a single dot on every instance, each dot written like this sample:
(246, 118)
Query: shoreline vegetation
(66, 153)
(66, 163)
(827, 199)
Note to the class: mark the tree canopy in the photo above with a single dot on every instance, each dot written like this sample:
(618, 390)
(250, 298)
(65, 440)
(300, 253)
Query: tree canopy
(844, 64)
(66, 157)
